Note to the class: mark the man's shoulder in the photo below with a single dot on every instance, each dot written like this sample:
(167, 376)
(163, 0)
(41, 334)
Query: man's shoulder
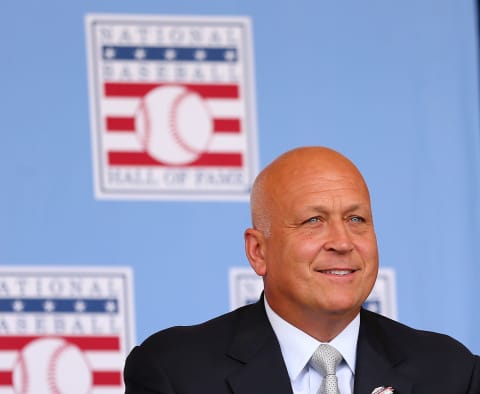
(407, 357)
(214, 333)
(408, 338)
(201, 351)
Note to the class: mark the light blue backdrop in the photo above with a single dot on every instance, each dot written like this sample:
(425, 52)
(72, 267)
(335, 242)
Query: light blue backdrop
(393, 85)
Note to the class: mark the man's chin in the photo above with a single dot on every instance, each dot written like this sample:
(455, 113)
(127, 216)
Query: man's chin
(347, 310)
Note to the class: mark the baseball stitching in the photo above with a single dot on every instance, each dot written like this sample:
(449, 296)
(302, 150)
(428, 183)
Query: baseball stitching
(24, 374)
(173, 116)
(51, 378)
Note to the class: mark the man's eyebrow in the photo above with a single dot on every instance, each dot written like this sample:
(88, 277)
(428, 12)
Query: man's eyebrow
(357, 207)
(349, 208)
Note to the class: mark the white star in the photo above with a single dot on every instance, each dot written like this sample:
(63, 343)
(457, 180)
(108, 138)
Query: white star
(229, 55)
(140, 53)
(109, 53)
(18, 306)
(200, 54)
(170, 54)
(110, 306)
(49, 306)
(79, 306)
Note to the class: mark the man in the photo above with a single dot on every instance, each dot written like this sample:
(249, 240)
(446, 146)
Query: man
(314, 244)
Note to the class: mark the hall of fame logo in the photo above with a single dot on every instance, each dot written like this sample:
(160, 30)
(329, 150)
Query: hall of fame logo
(64, 330)
(246, 287)
(172, 107)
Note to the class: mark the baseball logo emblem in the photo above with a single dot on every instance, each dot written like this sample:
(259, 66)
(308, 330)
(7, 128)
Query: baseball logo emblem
(174, 125)
(45, 366)
(173, 116)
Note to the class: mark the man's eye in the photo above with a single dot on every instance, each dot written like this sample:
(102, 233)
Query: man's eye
(315, 219)
(357, 219)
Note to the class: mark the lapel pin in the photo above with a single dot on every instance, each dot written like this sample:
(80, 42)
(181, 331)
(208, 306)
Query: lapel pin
(384, 390)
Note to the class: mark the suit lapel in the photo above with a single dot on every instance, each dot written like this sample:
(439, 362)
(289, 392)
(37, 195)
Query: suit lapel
(377, 359)
(255, 346)
(262, 369)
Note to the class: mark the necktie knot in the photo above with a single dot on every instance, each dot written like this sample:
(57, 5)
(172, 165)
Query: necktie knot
(325, 360)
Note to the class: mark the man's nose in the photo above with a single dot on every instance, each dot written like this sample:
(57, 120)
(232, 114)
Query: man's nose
(338, 237)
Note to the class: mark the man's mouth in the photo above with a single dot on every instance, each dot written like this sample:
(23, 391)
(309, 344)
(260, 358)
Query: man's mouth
(337, 272)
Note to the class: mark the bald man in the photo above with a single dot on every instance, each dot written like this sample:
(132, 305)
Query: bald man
(313, 243)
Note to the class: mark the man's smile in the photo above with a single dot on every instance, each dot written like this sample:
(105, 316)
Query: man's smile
(337, 272)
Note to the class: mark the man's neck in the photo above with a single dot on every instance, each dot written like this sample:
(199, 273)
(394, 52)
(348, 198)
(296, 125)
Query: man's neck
(319, 325)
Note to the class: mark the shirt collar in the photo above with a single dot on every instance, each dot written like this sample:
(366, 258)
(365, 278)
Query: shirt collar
(297, 346)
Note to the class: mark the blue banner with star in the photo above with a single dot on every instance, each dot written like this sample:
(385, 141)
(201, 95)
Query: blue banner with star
(59, 305)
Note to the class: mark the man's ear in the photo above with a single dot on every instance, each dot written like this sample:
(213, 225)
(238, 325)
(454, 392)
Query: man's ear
(255, 250)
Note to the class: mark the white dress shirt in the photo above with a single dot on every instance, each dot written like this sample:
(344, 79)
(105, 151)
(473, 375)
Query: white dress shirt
(297, 347)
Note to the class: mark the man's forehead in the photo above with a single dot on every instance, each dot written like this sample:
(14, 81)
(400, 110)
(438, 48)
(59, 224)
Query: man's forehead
(305, 171)
(345, 195)
(312, 174)
(329, 205)
(318, 184)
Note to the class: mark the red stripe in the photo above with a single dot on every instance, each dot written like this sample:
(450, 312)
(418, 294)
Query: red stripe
(95, 343)
(227, 125)
(141, 89)
(120, 124)
(6, 378)
(84, 343)
(127, 125)
(144, 159)
(106, 378)
(99, 378)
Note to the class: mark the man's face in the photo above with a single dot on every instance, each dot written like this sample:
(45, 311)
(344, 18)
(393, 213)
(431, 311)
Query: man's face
(321, 255)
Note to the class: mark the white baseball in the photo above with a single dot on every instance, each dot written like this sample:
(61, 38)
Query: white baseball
(51, 366)
(174, 124)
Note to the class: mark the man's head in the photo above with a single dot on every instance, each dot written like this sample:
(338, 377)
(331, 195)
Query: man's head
(313, 239)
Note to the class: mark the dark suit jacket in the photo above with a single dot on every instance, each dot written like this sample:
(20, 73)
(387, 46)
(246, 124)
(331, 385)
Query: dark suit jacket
(239, 353)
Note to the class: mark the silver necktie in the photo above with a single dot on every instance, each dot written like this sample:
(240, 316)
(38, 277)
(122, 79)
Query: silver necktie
(325, 360)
